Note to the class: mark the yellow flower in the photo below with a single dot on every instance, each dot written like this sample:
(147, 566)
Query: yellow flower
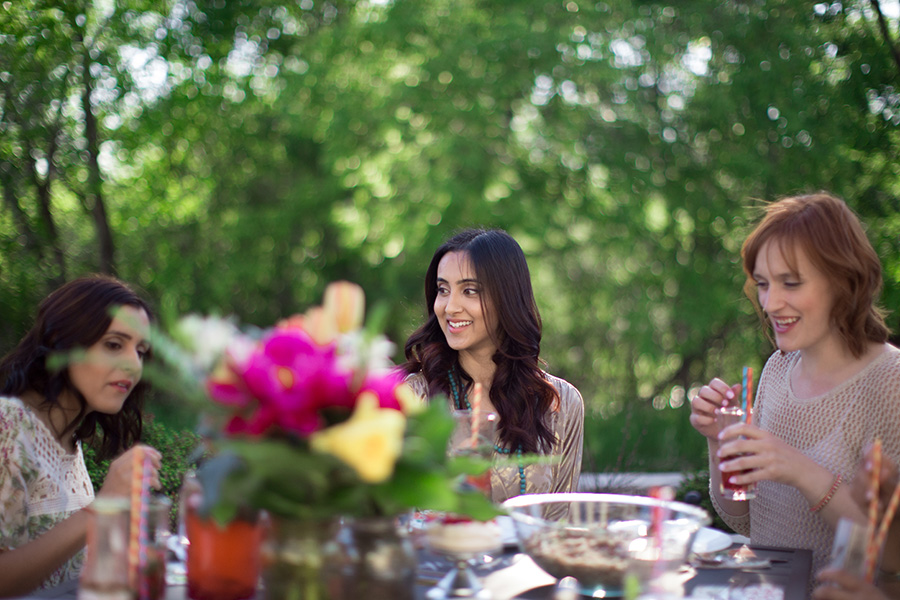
(370, 441)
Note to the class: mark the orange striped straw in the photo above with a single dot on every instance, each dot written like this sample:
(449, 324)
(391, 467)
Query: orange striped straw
(886, 520)
(871, 548)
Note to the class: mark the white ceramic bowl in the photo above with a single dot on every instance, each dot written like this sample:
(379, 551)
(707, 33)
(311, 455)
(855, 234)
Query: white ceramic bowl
(602, 536)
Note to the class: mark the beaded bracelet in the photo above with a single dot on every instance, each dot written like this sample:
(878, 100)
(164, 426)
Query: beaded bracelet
(828, 496)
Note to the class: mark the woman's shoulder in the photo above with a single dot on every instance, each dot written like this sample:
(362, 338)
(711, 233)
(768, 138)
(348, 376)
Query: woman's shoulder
(885, 368)
(890, 357)
(568, 393)
(14, 415)
(19, 427)
(778, 367)
(418, 384)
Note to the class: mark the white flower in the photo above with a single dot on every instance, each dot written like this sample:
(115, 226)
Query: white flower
(362, 352)
(207, 339)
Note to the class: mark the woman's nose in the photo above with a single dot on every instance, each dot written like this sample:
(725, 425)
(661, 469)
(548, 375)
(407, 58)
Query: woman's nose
(769, 300)
(453, 304)
(133, 363)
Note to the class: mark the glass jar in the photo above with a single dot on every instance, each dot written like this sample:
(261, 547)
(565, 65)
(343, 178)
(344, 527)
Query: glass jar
(105, 572)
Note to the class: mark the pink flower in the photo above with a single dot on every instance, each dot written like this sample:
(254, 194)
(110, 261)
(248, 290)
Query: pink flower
(284, 383)
(384, 386)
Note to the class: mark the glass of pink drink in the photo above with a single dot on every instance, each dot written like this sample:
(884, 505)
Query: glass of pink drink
(725, 416)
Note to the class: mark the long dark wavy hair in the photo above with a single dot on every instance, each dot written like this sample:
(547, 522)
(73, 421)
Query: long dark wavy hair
(521, 394)
(73, 317)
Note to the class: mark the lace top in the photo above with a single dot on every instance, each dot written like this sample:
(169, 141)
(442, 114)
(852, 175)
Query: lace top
(832, 429)
(40, 483)
(567, 425)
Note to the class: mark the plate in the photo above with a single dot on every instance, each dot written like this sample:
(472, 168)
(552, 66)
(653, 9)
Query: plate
(710, 540)
(508, 531)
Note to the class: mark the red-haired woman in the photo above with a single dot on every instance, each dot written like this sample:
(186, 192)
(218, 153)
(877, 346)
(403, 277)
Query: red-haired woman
(483, 326)
(832, 386)
(103, 326)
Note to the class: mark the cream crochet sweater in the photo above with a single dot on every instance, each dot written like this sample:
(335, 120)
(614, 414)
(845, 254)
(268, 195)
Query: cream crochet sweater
(832, 429)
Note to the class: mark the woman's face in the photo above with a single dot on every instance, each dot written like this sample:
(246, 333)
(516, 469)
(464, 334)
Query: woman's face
(797, 304)
(457, 306)
(112, 366)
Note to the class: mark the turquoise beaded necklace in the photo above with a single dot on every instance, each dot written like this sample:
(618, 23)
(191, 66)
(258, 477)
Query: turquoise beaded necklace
(463, 403)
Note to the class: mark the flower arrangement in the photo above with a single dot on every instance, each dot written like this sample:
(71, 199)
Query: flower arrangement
(307, 419)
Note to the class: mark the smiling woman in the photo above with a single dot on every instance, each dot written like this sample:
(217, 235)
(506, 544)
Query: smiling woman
(100, 327)
(483, 327)
(831, 388)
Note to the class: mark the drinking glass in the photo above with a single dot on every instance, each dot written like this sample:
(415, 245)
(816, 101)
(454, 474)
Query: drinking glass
(725, 416)
(848, 552)
(474, 435)
(464, 541)
(105, 572)
(153, 573)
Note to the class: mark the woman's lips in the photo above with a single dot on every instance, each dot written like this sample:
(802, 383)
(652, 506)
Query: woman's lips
(457, 325)
(782, 324)
(123, 386)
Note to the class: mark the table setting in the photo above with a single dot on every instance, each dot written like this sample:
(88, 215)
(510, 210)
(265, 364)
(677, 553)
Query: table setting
(350, 487)
(713, 567)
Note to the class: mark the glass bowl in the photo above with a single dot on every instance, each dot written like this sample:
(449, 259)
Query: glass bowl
(603, 536)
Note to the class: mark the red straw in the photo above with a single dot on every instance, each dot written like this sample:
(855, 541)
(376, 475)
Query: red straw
(658, 517)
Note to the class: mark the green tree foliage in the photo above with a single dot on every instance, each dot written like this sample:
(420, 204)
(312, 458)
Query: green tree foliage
(249, 152)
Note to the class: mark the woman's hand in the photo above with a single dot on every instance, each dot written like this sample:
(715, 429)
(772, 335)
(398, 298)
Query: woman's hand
(762, 455)
(704, 404)
(861, 493)
(837, 584)
(118, 478)
(887, 481)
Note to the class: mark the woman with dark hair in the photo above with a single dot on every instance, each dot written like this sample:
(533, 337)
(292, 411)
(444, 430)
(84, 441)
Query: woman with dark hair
(829, 390)
(483, 326)
(99, 328)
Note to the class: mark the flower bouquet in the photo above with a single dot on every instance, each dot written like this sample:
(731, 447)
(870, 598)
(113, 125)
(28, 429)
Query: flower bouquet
(308, 420)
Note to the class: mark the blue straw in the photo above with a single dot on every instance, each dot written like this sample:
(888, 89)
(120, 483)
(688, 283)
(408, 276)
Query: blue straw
(744, 396)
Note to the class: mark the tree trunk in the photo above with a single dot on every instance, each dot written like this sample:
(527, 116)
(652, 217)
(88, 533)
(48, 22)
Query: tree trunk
(44, 200)
(94, 193)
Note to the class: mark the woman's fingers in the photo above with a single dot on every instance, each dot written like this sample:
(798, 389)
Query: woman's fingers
(703, 406)
(838, 584)
(119, 476)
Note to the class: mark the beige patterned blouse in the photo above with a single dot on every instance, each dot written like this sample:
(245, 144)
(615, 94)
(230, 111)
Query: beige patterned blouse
(567, 424)
(40, 483)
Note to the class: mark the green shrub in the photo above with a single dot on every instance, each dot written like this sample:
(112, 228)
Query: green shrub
(641, 439)
(176, 446)
(695, 486)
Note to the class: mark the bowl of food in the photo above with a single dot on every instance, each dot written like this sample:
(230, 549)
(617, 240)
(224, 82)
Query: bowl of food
(601, 537)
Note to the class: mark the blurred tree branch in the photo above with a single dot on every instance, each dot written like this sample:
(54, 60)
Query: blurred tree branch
(886, 34)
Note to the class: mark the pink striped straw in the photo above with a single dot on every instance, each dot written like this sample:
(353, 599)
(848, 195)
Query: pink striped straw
(476, 409)
(134, 528)
(144, 528)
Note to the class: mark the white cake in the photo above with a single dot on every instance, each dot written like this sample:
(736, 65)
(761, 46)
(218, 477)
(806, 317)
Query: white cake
(464, 537)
